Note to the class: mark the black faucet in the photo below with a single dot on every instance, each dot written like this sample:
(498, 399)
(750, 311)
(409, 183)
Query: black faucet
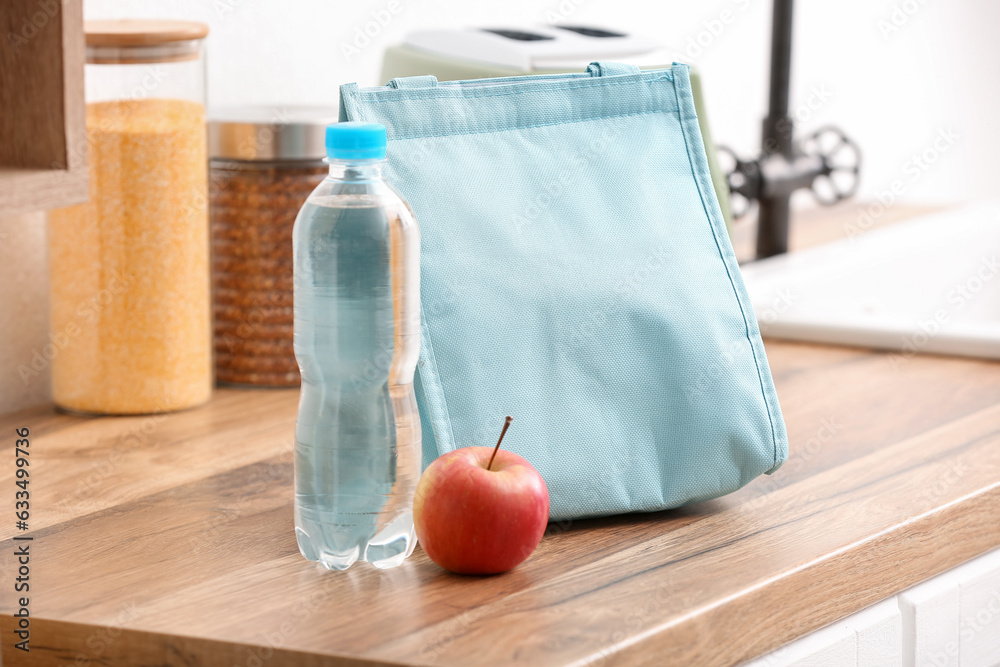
(827, 161)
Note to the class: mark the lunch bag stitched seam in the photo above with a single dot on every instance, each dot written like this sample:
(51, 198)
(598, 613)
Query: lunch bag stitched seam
(385, 94)
(529, 127)
(722, 255)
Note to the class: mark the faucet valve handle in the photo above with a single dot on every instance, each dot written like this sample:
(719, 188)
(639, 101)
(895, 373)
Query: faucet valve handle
(839, 177)
(743, 178)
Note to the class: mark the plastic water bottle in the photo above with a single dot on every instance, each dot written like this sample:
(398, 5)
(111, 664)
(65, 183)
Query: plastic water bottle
(357, 339)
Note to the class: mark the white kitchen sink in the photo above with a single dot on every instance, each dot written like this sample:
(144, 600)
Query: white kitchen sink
(927, 285)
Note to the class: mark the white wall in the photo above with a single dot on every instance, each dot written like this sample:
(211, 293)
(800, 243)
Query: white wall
(892, 91)
(24, 312)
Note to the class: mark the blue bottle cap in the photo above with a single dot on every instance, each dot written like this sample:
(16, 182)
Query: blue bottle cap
(355, 141)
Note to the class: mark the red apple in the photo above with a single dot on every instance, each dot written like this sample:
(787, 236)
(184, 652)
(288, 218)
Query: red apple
(480, 510)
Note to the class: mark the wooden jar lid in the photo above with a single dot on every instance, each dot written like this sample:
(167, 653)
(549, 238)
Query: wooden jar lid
(143, 41)
(134, 32)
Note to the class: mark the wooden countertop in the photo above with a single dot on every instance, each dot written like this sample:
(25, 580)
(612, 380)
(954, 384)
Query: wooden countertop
(168, 540)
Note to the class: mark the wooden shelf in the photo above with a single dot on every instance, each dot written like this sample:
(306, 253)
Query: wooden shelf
(43, 156)
(170, 539)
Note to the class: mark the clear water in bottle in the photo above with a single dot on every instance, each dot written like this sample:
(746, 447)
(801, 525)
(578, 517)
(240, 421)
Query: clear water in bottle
(357, 339)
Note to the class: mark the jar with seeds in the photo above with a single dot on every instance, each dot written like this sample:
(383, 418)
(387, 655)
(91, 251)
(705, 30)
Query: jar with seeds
(263, 164)
(129, 269)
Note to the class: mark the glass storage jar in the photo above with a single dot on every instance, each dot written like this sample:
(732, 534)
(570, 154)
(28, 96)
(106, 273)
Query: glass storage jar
(264, 163)
(129, 270)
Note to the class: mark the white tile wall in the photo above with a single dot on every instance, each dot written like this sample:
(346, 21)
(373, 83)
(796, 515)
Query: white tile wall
(951, 620)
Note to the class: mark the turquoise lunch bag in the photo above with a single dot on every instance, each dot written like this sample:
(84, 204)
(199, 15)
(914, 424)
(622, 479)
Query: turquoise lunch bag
(576, 274)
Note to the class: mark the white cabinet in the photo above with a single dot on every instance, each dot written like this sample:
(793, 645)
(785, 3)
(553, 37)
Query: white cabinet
(979, 599)
(833, 645)
(951, 620)
(931, 614)
(870, 638)
(880, 634)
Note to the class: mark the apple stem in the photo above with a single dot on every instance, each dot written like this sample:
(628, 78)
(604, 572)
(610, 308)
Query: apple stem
(506, 425)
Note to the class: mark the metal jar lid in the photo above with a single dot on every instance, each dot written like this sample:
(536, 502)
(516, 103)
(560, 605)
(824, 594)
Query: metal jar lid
(269, 133)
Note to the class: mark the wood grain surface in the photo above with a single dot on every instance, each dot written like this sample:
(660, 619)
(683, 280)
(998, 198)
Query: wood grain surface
(43, 146)
(169, 540)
